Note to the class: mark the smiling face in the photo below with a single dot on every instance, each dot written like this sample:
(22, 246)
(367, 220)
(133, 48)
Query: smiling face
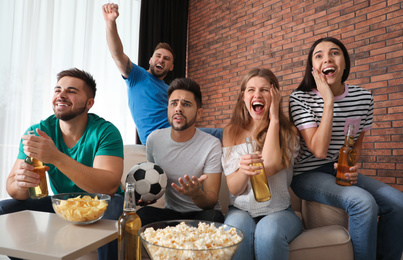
(328, 58)
(161, 63)
(70, 98)
(257, 97)
(182, 110)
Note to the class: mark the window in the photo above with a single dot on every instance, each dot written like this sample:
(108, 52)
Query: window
(41, 38)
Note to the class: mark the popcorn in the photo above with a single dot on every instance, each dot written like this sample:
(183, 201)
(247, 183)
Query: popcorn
(187, 242)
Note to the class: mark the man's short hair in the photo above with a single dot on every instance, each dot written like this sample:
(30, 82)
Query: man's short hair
(189, 85)
(83, 75)
(166, 46)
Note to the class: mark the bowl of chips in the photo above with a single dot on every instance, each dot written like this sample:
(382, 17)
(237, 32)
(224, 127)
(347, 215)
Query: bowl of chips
(190, 239)
(80, 208)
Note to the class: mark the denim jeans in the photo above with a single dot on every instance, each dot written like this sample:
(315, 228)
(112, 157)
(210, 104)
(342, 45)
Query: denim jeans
(114, 210)
(266, 237)
(372, 238)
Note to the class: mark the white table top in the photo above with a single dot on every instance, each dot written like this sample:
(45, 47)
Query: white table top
(45, 236)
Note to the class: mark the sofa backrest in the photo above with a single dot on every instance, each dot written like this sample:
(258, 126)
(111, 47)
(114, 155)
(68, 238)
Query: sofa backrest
(313, 214)
(134, 154)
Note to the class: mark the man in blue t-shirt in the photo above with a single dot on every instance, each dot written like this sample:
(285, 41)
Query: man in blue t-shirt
(81, 151)
(146, 89)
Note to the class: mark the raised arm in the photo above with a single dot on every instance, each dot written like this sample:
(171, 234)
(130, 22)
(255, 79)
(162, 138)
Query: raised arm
(111, 13)
(317, 139)
(271, 153)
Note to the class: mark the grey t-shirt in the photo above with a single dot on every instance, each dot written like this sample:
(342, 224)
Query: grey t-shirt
(201, 154)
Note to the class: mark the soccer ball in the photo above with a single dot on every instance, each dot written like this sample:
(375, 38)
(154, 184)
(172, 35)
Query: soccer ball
(149, 179)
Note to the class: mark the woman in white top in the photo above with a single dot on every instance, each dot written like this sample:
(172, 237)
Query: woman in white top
(271, 225)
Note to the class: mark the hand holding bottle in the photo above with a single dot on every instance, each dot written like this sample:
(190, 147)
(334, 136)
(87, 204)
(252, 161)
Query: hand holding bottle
(25, 177)
(259, 182)
(352, 174)
(250, 164)
(347, 158)
(40, 190)
(41, 147)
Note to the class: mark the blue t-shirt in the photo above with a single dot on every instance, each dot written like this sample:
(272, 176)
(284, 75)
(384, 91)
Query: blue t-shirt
(148, 101)
(100, 138)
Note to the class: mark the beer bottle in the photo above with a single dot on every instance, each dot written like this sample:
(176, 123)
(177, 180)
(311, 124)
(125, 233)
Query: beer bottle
(259, 182)
(129, 244)
(41, 190)
(347, 157)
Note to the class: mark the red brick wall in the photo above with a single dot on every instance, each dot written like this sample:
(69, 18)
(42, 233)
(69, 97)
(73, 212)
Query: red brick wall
(227, 38)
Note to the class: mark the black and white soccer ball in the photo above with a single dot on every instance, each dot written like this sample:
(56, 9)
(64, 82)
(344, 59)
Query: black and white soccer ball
(150, 181)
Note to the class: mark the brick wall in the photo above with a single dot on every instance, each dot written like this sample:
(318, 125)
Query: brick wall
(227, 38)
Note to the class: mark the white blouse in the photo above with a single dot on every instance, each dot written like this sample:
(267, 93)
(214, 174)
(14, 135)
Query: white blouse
(278, 184)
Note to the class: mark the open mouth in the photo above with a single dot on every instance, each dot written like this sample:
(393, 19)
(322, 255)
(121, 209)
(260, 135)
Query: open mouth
(159, 66)
(62, 103)
(178, 117)
(329, 71)
(257, 106)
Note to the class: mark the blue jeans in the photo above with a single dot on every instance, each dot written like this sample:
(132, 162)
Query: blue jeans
(266, 237)
(364, 202)
(114, 210)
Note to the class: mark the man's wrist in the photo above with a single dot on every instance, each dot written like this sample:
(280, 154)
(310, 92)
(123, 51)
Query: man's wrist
(197, 195)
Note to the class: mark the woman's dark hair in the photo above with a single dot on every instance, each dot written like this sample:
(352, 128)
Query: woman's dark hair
(308, 82)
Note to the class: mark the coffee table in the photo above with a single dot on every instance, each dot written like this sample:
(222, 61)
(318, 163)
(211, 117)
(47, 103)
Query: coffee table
(45, 236)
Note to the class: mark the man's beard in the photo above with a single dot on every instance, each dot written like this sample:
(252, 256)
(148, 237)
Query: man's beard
(183, 127)
(157, 75)
(70, 115)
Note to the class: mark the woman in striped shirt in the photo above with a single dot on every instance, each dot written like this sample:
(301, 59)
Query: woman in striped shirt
(321, 108)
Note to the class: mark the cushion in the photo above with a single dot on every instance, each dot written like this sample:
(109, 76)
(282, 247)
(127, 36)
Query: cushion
(316, 214)
(327, 243)
(134, 154)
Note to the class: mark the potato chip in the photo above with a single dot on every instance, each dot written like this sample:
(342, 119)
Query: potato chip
(81, 209)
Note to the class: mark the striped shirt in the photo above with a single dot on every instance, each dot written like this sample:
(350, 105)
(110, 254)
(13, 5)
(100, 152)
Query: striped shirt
(355, 106)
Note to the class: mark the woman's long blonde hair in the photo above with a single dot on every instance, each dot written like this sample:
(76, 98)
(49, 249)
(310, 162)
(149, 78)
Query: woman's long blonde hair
(241, 118)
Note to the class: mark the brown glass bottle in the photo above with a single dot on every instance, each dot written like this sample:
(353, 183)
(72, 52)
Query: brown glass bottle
(259, 182)
(129, 244)
(41, 190)
(347, 157)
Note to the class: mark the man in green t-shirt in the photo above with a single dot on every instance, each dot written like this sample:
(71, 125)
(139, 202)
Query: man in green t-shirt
(82, 153)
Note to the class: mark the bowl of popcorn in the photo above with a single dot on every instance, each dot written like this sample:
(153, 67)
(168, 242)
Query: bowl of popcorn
(80, 208)
(190, 239)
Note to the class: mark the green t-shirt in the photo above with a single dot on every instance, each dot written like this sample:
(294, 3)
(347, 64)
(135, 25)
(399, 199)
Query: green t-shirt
(100, 138)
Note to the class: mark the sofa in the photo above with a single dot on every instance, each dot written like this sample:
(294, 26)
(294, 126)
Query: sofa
(325, 234)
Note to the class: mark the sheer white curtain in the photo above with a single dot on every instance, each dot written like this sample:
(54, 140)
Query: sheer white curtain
(39, 38)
